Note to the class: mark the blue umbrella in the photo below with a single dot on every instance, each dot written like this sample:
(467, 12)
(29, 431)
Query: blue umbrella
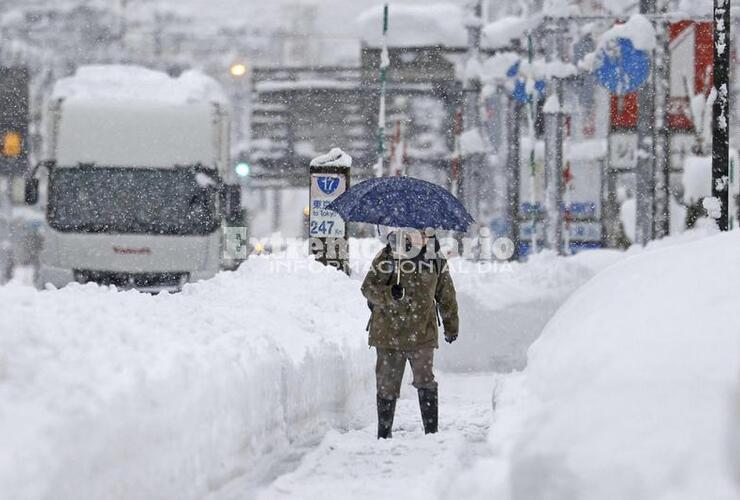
(402, 202)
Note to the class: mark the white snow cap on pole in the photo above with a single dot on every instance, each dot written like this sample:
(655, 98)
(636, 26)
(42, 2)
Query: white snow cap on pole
(334, 158)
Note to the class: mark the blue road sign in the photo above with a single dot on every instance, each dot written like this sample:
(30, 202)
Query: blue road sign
(621, 68)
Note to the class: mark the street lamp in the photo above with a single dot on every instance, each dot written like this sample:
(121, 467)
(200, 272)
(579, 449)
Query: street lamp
(238, 70)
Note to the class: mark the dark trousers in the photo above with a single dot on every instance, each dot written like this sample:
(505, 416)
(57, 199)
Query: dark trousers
(391, 364)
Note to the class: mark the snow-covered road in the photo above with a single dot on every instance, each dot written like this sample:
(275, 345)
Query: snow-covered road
(229, 388)
(356, 465)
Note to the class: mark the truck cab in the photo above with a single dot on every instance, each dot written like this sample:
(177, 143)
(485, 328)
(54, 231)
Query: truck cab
(138, 179)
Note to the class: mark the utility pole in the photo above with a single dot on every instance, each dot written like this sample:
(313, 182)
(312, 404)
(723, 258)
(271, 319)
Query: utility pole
(554, 137)
(720, 113)
(645, 175)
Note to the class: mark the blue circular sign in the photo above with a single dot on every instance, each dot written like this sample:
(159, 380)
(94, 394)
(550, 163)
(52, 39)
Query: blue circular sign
(622, 68)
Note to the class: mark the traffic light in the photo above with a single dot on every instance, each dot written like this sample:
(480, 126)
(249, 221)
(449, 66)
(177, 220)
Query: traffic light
(14, 118)
(12, 144)
(242, 169)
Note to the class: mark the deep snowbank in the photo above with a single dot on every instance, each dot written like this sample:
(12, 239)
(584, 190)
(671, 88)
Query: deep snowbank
(120, 394)
(503, 308)
(629, 391)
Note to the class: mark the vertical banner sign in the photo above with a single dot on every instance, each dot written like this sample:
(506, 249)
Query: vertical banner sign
(327, 231)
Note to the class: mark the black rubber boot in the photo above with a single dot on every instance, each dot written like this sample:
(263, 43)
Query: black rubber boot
(386, 409)
(429, 410)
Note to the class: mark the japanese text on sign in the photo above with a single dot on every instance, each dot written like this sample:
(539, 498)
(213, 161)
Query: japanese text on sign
(324, 223)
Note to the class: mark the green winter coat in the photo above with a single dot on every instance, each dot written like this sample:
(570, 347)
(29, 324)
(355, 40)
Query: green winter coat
(411, 322)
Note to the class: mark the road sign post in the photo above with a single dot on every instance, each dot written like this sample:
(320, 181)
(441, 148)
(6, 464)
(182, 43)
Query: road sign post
(720, 111)
(328, 240)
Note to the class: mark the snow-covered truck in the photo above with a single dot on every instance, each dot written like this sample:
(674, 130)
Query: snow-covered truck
(139, 183)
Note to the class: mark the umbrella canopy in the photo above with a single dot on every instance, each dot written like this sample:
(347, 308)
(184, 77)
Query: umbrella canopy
(402, 202)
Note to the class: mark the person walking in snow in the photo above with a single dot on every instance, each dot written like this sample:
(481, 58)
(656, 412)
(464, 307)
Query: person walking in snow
(408, 289)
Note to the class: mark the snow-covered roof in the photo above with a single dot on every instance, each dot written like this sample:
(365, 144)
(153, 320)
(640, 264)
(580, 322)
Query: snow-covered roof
(136, 83)
(439, 24)
(442, 24)
(500, 33)
(415, 25)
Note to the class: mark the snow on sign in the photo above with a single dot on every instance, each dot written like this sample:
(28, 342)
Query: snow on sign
(622, 56)
(325, 188)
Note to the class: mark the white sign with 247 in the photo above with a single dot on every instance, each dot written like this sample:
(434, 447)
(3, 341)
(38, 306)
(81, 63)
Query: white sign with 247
(325, 188)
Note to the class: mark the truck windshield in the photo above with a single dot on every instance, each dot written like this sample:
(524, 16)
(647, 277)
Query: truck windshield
(96, 199)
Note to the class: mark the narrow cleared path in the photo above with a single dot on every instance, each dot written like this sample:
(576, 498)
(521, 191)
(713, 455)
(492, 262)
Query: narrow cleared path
(356, 465)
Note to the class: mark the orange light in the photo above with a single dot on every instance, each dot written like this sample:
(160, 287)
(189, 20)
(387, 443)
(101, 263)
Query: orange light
(12, 144)
(238, 69)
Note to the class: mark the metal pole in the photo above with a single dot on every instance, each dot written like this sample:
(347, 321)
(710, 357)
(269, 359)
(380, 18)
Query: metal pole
(277, 209)
(645, 175)
(553, 181)
(6, 216)
(661, 134)
(471, 165)
(456, 153)
(554, 136)
(720, 111)
(384, 63)
(513, 172)
(532, 145)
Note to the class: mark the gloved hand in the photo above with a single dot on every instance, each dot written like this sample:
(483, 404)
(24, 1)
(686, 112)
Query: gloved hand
(398, 292)
(450, 337)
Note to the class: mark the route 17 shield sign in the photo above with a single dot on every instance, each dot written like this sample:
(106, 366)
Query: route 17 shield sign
(325, 188)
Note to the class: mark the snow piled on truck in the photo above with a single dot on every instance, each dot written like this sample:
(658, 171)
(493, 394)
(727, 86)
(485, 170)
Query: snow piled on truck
(129, 116)
(136, 83)
(629, 392)
(126, 395)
